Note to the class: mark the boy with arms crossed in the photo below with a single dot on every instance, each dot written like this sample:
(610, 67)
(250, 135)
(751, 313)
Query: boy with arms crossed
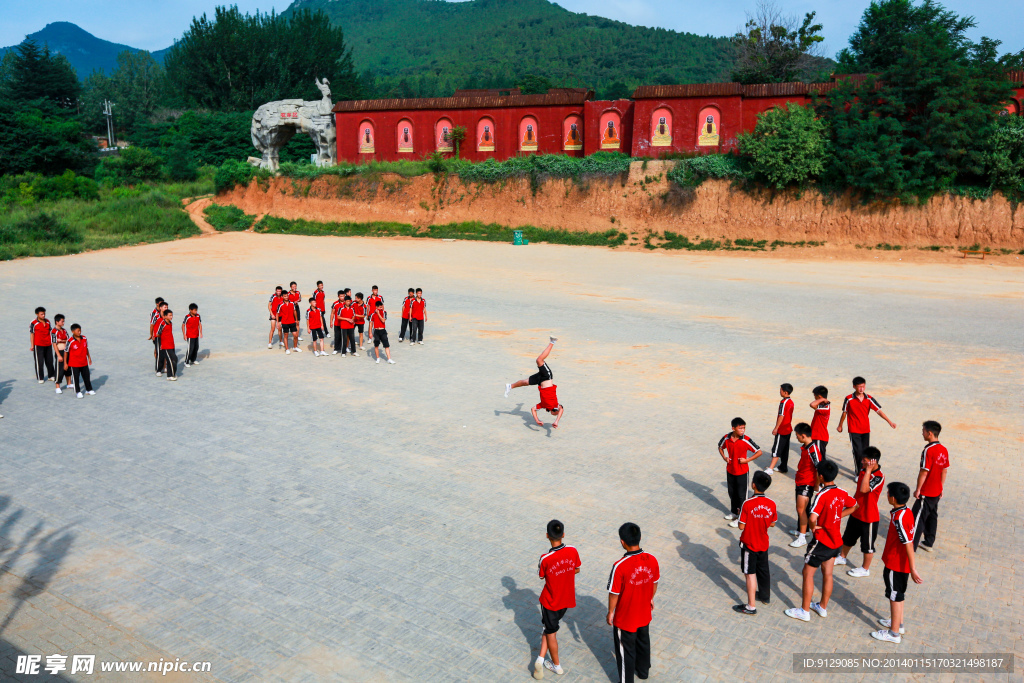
(346, 316)
(378, 323)
(898, 558)
(863, 523)
(757, 515)
(295, 297)
(558, 567)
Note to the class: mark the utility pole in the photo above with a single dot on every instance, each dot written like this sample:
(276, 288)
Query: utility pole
(108, 112)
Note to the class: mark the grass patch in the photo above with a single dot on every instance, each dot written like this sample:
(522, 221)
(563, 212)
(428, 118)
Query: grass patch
(470, 230)
(675, 241)
(228, 218)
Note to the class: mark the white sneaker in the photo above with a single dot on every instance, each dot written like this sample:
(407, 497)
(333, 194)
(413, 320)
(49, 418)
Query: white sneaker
(887, 636)
(195, 362)
(170, 379)
(538, 669)
(887, 623)
(729, 516)
(378, 360)
(557, 668)
(91, 392)
(391, 361)
(300, 338)
(735, 524)
(59, 391)
(159, 374)
(41, 381)
(334, 353)
(798, 613)
(80, 395)
(508, 388)
(362, 348)
(925, 547)
(840, 560)
(421, 343)
(799, 542)
(298, 350)
(859, 572)
(270, 346)
(315, 352)
(288, 352)
(822, 612)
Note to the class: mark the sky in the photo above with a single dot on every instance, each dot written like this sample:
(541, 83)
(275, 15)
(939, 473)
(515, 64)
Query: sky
(155, 24)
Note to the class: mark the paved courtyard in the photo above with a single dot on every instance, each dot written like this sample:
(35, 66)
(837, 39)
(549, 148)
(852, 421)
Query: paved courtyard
(297, 518)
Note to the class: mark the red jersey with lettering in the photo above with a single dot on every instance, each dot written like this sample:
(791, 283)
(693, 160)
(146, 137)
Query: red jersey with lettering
(419, 309)
(807, 469)
(294, 296)
(359, 311)
(935, 459)
(374, 301)
(313, 318)
(58, 335)
(318, 297)
(819, 423)
(407, 306)
(192, 322)
(786, 411)
(346, 312)
(867, 503)
(77, 352)
(632, 579)
(828, 504)
(858, 411)
(736, 449)
(558, 569)
(901, 534)
(40, 330)
(275, 302)
(548, 398)
(335, 312)
(154, 317)
(165, 333)
(379, 318)
(757, 514)
(286, 313)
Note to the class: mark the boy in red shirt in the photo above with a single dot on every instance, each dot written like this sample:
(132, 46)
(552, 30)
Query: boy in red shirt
(558, 567)
(289, 324)
(295, 297)
(275, 324)
(168, 356)
(346, 318)
(828, 508)
(79, 360)
(757, 515)
(359, 315)
(321, 298)
(733, 448)
(782, 431)
(418, 311)
(543, 379)
(930, 480)
(314, 323)
(898, 558)
(192, 330)
(371, 303)
(631, 589)
(336, 320)
(857, 409)
(863, 523)
(154, 319)
(806, 480)
(819, 421)
(59, 338)
(41, 345)
(378, 323)
(406, 312)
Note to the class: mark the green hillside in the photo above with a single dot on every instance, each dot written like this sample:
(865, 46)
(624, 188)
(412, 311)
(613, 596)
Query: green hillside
(425, 48)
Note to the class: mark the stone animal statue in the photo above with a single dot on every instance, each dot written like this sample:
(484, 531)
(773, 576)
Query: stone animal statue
(274, 124)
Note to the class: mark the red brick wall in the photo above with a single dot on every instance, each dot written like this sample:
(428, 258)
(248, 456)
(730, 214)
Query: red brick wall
(593, 132)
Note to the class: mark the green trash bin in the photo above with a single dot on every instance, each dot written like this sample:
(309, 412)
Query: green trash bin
(517, 237)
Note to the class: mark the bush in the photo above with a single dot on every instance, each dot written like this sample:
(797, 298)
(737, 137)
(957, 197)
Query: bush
(1004, 161)
(228, 218)
(181, 163)
(788, 146)
(29, 188)
(232, 173)
(693, 171)
(132, 166)
(40, 227)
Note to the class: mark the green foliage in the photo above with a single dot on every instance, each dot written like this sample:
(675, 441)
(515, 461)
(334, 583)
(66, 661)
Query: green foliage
(135, 88)
(458, 135)
(232, 173)
(34, 74)
(1004, 160)
(42, 139)
(538, 167)
(773, 48)
(691, 172)
(788, 146)
(131, 166)
(39, 227)
(30, 188)
(181, 163)
(532, 84)
(239, 61)
(228, 218)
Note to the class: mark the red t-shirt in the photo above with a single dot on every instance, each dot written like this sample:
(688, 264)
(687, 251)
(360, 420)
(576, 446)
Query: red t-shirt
(346, 312)
(40, 330)
(901, 533)
(786, 411)
(192, 321)
(419, 309)
(359, 311)
(294, 296)
(934, 458)
(165, 332)
(737, 448)
(379, 318)
(313, 318)
(807, 469)
(407, 306)
(154, 317)
(867, 503)
(558, 569)
(632, 579)
(318, 297)
(819, 423)
(858, 412)
(78, 352)
(286, 313)
(828, 504)
(373, 302)
(335, 312)
(58, 334)
(275, 302)
(757, 513)
(548, 398)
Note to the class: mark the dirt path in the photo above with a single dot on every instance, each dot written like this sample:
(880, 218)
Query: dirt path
(195, 207)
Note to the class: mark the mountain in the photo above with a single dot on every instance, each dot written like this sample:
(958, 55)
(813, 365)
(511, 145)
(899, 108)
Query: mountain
(430, 47)
(85, 51)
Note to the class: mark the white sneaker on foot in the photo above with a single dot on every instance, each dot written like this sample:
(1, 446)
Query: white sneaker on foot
(421, 343)
(172, 379)
(822, 612)
(735, 524)
(538, 668)
(378, 360)
(59, 391)
(859, 572)
(557, 668)
(159, 374)
(91, 392)
(887, 636)
(315, 352)
(840, 560)
(79, 395)
(925, 547)
(288, 352)
(300, 338)
(799, 542)
(41, 381)
(729, 516)
(334, 353)
(195, 362)
(270, 346)
(391, 361)
(298, 350)
(798, 613)
(508, 388)
(887, 623)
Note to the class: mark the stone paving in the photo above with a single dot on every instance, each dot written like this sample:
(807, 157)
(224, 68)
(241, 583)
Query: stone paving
(297, 518)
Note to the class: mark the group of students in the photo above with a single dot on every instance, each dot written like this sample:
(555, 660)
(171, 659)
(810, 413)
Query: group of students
(60, 354)
(349, 316)
(161, 333)
(821, 505)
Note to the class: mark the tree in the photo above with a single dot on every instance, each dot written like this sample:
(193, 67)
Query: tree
(1005, 158)
(788, 146)
(532, 84)
(133, 165)
(458, 134)
(181, 164)
(36, 74)
(240, 61)
(775, 48)
(43, 140)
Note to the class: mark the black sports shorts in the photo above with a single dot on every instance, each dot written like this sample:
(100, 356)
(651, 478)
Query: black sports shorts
(290, 328)
(895, 584)
(550, 618)
(805, 490)
(317, 333)
(818, 553)
(865, 532)
(543, 375)
(380, 337)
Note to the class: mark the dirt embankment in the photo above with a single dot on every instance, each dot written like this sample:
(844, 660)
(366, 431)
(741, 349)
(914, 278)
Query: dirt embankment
(642, 202)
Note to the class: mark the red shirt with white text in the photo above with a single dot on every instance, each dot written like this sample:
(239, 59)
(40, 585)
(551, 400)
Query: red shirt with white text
(558, 569)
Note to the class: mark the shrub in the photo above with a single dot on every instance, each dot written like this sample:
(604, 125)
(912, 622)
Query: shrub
(133, 165)
(29, 188)
(41, 227)
(232, 173)
(693, 171)
(788, 146)
(1004, 161)
(228, 218)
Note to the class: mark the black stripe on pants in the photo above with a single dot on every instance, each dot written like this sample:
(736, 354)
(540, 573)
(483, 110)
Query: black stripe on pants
(82, 375)
(780, 450)
(44, 361)
(405, 326)
(348, 340)
(632, 653)
(169, 361)
(926, 520)
(193, 350)
(737, 485)
(415, 330)
(859, 443)
(337, 338)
